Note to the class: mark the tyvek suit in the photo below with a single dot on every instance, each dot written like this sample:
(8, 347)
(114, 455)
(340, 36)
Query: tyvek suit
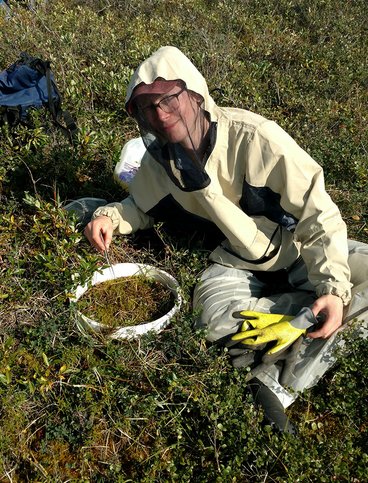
(267, 198)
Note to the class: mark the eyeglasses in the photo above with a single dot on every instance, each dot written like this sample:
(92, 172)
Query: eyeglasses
(167, 104)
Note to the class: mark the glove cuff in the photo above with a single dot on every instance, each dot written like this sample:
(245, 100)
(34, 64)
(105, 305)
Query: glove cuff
(304, 320)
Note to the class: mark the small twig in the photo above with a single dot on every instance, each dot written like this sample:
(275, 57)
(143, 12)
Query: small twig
(38, 465)
(32, 178)
(104, 8)
(85, 386)
(8, 473)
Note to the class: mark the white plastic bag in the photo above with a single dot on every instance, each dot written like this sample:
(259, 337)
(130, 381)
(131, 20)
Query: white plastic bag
(129, 162)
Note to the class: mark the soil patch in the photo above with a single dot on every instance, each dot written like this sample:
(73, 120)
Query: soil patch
(126, 301)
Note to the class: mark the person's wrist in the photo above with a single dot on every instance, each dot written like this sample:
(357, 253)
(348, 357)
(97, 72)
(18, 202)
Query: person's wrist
(345, 297)
(102, 214)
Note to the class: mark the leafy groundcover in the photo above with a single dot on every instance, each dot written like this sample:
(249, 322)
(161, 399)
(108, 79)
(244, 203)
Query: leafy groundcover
(166, 407)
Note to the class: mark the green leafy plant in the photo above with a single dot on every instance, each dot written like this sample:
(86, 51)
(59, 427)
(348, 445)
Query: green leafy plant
(167, 407)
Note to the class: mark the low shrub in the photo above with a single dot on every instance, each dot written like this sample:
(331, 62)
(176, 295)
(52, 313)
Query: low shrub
(166, 407)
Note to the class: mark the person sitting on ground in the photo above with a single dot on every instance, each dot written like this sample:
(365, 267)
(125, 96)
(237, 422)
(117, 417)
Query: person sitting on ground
(284, 244)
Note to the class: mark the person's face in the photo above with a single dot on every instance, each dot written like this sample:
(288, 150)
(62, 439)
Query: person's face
(172, 115)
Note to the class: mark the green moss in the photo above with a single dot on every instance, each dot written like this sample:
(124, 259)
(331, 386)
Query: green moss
(126, 301)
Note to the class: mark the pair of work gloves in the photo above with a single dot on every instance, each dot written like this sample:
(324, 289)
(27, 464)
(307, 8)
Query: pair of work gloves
(266, 339)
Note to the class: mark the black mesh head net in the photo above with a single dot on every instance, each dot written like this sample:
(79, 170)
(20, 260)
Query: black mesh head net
(175, 130)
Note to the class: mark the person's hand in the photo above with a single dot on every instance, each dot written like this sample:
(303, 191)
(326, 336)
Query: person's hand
(99, 232)
(331, 308)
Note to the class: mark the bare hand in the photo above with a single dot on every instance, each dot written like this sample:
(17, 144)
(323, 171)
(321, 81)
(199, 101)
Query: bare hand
(331, 307)
(99, 232)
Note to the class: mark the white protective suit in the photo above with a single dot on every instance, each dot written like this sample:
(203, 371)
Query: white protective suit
(267, 198)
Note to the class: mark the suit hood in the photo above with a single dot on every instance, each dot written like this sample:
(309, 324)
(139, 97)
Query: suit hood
(169, 63)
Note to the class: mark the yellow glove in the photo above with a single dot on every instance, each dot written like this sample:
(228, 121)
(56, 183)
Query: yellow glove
(262, 320)
(283, 333)
(254, 320)
(284, 330)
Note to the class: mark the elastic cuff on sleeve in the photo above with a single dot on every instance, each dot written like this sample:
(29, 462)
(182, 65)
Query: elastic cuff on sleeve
(105, 211)
(345, 296)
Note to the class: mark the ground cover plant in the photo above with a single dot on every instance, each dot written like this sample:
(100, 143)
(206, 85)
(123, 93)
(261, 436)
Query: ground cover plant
(168, 407)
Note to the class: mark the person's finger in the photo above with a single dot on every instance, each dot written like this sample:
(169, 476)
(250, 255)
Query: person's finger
(317, 307)
(106, 233)
(327, 329)
(97, 240)
(93, 233)
(88, 232)
(322, 333)
(330, 307)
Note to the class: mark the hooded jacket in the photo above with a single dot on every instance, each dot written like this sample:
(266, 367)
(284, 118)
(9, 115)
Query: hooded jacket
(262, 191)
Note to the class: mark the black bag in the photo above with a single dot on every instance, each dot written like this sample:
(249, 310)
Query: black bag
(29, 84)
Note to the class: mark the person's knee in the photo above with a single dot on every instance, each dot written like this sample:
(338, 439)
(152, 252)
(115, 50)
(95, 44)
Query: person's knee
(220, 320)
(358, 262)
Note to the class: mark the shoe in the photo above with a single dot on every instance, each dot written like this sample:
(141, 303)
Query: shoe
(272, 407)
(84, 209)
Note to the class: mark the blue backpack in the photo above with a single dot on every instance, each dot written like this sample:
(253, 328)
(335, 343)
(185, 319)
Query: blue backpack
(30, 84)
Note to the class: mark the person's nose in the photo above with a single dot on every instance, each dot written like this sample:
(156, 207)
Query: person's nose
(161, 115)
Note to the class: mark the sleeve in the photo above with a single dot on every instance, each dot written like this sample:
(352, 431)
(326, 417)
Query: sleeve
(320, 230)
(126, 217)
(147, 189)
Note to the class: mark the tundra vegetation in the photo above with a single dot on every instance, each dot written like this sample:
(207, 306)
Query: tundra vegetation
(168, 407)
